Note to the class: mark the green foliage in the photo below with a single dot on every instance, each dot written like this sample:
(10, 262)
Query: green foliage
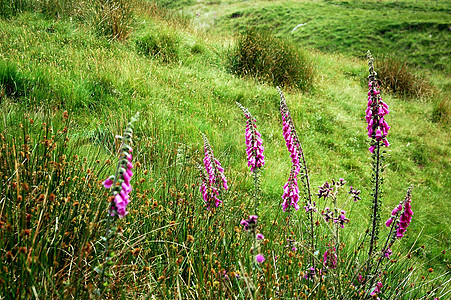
(398, 78)
(160, 44)
(271, 59)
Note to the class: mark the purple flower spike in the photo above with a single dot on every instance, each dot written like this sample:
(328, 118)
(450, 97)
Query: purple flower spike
(291, 192)
(254, 142)
(330, 258)
(123, 175)
(213, 178)
(376, 110)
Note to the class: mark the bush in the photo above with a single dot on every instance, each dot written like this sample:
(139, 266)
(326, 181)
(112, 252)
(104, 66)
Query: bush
(272, 60)
(398, 78)
(163, 45)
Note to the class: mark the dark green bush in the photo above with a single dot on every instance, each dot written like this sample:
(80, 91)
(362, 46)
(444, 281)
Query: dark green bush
(163, 45)
(397, 77)
(271, 59)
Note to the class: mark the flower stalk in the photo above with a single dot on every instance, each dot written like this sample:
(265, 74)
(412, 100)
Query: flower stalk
(291, 196)
(121, 188)
(377, 131)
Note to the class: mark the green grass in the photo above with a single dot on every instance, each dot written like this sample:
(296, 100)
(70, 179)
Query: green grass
(48, 66)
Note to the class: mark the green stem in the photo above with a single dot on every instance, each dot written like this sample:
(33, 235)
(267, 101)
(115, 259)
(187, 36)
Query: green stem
(374, 231)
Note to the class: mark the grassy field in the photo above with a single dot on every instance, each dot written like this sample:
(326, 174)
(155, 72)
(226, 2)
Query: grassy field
(176, 74)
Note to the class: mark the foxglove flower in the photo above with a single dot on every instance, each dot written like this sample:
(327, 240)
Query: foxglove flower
(330, 258)
(376, 110)
(291, 192)
(254, 147)
(213, 178)
(406, 215)
(405, 218)
(121, 180)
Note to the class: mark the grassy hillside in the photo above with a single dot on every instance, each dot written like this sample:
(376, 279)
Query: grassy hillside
(178, 78)
(417, 31)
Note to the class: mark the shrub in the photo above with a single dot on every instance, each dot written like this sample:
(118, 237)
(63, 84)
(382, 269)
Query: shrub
(271, 59)
(397, 77)
(163, 45)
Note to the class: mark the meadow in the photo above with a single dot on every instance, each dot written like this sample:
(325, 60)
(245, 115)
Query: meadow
(73, 75)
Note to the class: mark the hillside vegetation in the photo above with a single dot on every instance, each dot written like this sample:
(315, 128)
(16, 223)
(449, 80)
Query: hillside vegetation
(69, 83)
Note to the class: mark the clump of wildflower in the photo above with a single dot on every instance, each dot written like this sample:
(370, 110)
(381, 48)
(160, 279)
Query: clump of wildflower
(355, 194)
(325, 190)
(376, 109)
(310, 207)
(330, 258)
(387, 252)
(121, 180)
(254, 146)
(377, 290)
(260, 258)
(214, 180)
(328, 214)
(341, 219)
(250, 223)
(310, 274)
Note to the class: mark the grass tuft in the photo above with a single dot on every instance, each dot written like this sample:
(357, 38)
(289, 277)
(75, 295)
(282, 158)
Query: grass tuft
(163, 45)
(12, 81)
(272, 60)
(398, 78)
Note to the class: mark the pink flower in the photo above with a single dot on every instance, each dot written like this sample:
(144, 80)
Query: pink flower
(291, 192)
(388, 222)
(108, 182)
(213, 178)
(254, 142)
(387, 253)
(260, 236)
(260, 258)
(375, 111)
(330, 258)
